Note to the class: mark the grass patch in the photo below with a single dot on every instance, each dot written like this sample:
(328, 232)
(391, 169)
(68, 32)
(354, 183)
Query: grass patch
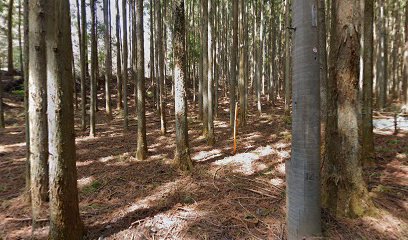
(93, 187)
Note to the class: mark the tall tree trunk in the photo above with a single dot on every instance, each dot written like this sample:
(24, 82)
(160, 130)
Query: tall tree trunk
(382, 60)
(118, 60)
(84, 60)
(287, 56)
(210, 78)
(367, 91)
(345, 193)
(182, 154)
(2, 124)
(141, 114)
(26, 96)
(303, 170)
(405, 87)
(161, 70)
(125, 66)
(94, 55)
(20, 44)
(204, 30)
(234, 54)
(64, 211)
(152, 60)
(241, 67)
(108, 56)
(10, 63)
(259, 60)
(37, 107)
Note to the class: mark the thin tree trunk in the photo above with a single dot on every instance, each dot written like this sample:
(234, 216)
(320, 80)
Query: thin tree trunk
(405, 83)
(118, 60)
(303, 170)
(125, 66)
(37, 103)
(10, 63)
(141, 115)
(108, 56)
(83, 55)
(152, 60)
(20, 45)
(2, 124)
(287, 56)
(26, 96)
(234, 52)
(241, 67)
(94, 55)
(204, 30)
(182, 154)
(210, 78)
(161, 70)
(382, 62)
(64, 211)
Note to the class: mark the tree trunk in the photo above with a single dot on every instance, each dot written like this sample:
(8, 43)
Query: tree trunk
(37, 103)
(64, 211)
(241, 67)
(210, 78)
(345, 193)
(94, 55)
(234, 53)
(10, 63)
(26, 96)
(108, 56)
(288, 57)
(83, 56)
(405, 51)
(125, 66)
(182, 154)
(20, 44)
(367, 91)
(141, 115)
(382, 60)
(118, 60)
(152, 60)
(204, 30)
(161, 70)
(2, 124)
(303, 170)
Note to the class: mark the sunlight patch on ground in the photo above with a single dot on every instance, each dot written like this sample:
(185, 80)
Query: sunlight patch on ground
(203, 156)
(84, 164)
(106, 159)
(247, 163)
(388, 224)
(11, 147)
(85, 181)
(277, 182)
(160, 193)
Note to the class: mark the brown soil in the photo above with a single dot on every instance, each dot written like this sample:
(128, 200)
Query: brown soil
(225, 197)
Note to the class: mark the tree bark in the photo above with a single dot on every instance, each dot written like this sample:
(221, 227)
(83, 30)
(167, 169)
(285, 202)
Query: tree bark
(141, 115)
(10, 63)
(234, 51)
(65, 222)
(405, 87)
(161, 70)
(303, 170)
(182, 154)
(382, 60)
(108, 56)
(2, 124)
(83, 56)
(367, 91)
(118, 60)
(26, 96)
(94, 55)
(345, 192)
(37, 107)
(125, 66)
(204, 30)
(210, 78)
(241, 66)
(288, 56)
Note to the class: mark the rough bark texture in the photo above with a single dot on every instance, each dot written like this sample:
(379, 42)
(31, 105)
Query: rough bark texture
(234, 54)
(118, 60)
(241, 67)
(64, 211)
(405, 88)
(288, 57)
(344, 190)
(94, 55)
(108, 54)
(26, 95)
(141, 115)
(2, 124)
(382, 59)
(37, 107)
(182, 154)
(367, 91)
(10, 64)
(204, 40)
(303, 170)
(83, 56)
(161, 70)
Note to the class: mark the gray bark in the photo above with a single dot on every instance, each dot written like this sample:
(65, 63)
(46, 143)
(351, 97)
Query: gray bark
(125, 67)
(241, 67)
(83, 56)
(204, 39)
(182, 154)
(288, 56)
(210, 78)
(10, 63)
(94, 55)
(303, 170)
(118, 60)
(141, 115)
(65, 222)
(234, 52)
(161, 70)
(37, 107)
(108, 56)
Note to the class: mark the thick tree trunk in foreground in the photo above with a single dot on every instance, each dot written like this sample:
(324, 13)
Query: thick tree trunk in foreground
(64, 211)
(108, 54)
(367, 91)
(182, 155)
(303, 170)
(141, 115)
(344, 190)
(37, 105)
(10, 63)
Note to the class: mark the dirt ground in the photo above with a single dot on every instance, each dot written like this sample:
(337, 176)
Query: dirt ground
(225, 197)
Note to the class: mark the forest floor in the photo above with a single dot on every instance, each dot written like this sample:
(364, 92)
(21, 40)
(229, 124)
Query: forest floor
(227, 196)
